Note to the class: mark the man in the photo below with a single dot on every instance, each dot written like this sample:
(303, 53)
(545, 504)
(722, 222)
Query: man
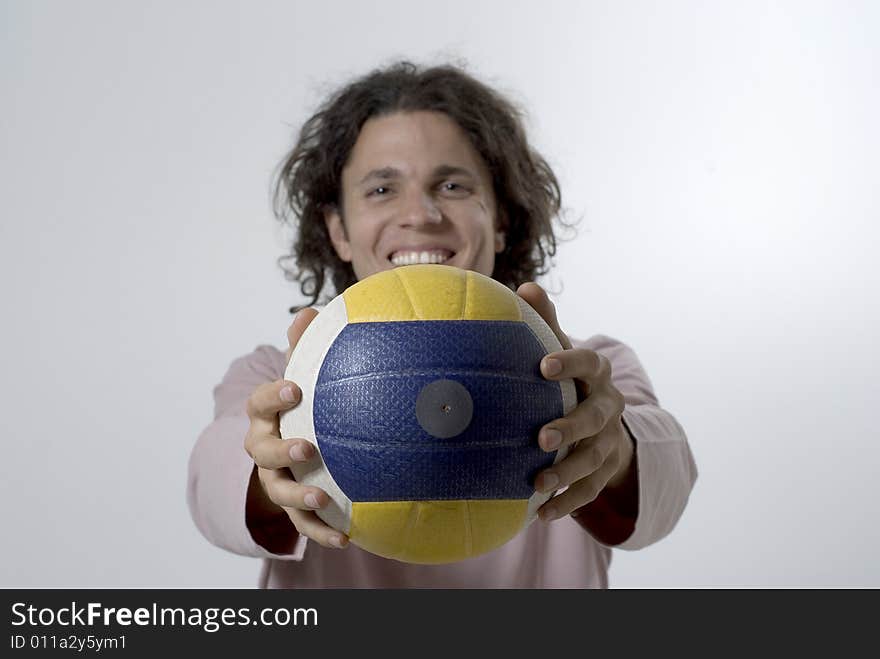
(406, 166)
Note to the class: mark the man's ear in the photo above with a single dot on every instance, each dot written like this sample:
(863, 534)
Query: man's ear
(336, 229)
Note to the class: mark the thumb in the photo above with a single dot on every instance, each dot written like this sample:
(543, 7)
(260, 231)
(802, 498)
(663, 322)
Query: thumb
(301, 321)
(540, 302)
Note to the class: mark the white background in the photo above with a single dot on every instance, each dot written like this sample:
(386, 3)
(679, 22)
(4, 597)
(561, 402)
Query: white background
(723, 158)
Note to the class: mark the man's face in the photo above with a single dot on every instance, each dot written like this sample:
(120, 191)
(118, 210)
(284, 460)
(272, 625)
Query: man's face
(414, 190)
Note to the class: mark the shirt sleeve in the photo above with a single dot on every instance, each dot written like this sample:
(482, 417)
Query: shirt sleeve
(220, 469)
(664, 462)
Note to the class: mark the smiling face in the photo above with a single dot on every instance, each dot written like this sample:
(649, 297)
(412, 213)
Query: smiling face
(414, 190)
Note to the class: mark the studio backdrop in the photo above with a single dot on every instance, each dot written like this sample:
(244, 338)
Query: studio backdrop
(718, 161)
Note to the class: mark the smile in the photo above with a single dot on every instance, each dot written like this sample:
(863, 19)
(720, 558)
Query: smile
(412, 257)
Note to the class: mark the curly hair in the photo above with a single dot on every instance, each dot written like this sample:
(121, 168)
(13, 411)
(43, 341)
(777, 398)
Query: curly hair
(310, 176)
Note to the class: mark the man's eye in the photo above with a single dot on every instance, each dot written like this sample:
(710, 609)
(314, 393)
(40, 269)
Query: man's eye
(381, 190)
(457, 188)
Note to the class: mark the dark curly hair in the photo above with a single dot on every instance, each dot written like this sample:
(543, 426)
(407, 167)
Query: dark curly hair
(310, 175)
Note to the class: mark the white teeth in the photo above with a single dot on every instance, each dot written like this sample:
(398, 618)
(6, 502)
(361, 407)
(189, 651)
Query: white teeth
(413, 257)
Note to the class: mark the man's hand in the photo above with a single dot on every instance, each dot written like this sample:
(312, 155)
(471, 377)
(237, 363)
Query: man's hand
(601, 451)
(275, 492)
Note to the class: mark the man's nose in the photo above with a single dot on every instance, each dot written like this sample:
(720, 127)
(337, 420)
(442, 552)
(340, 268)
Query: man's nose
(420, 209)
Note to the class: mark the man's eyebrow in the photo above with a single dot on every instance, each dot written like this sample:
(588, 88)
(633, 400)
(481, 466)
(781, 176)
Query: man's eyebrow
(453, 170)
(383, 174)
(389, 173)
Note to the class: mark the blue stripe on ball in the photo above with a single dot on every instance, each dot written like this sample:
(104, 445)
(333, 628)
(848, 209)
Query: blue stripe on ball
(371, 440)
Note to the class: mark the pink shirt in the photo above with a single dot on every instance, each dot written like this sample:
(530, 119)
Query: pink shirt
(559, 554)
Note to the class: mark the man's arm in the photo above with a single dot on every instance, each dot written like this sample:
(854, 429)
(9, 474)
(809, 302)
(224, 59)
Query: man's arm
(650, 496)
(225, 500)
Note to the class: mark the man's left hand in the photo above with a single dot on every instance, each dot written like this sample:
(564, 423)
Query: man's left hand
(601, 451)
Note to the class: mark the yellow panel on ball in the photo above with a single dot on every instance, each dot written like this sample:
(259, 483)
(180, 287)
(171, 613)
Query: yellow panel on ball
(432, 532)
(429, 292)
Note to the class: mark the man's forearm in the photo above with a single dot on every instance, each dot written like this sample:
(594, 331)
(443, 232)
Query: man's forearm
(269, 525)
(611, 517)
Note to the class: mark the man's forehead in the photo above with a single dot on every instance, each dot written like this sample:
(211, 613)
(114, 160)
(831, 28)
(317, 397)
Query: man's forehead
(409, 144)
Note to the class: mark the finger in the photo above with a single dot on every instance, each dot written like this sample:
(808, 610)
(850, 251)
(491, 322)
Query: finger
(262, 408)
(588, 419)
(585, 459)
(314, 528)
(578, 494)
(284, 491)
(269, 452)
(270, 398)
(540, 302)
(301, 321)
(300, 502)
(581, 363)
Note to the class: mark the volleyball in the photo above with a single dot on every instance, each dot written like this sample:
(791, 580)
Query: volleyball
(422, 393)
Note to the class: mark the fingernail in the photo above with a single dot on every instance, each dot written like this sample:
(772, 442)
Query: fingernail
(286, 394)
(552, 366)
(336, 541)
(552, 439)
(549, 480)
(298, 453)
(311, 500)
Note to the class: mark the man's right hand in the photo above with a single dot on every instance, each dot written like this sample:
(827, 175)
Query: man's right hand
(274, 489)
